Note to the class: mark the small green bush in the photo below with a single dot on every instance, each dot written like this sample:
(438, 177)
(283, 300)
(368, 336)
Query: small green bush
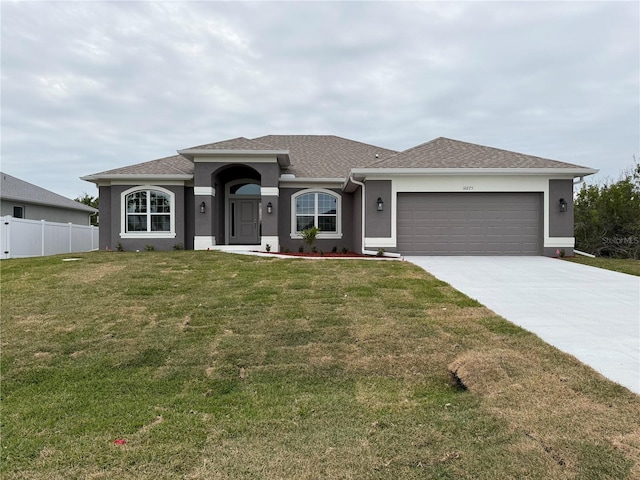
(309, 236)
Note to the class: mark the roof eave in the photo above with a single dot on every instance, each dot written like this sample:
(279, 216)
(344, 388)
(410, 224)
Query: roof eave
(191, 153)
(573, 171)
(136, 177)
(327, 182)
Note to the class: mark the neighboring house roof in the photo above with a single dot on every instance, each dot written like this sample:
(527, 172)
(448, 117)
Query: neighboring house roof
(14, 189)
(446, 153)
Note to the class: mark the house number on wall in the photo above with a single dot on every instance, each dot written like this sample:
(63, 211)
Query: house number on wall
(467, 187)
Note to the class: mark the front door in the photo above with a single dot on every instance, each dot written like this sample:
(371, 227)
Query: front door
(244, 221)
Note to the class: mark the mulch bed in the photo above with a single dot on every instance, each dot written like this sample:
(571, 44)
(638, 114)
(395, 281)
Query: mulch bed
(325, 254)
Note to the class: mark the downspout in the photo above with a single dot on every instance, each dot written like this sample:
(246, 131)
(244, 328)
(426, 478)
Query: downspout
(363, 250)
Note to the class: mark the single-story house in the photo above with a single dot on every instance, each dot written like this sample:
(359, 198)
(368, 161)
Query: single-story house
(22, 199)
(443, 197)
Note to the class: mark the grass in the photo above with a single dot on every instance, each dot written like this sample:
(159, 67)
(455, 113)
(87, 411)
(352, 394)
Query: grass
(218, 366)
(623, 265)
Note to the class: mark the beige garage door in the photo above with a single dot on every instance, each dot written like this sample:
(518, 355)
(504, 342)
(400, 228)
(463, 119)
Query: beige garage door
(469, 223)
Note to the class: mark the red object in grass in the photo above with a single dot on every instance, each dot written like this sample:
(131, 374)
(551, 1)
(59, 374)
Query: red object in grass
(119, 441)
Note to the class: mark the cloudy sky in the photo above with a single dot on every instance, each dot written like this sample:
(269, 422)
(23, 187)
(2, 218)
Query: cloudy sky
(91, 86)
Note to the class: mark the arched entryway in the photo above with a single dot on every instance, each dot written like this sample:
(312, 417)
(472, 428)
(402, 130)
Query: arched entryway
(243, 212)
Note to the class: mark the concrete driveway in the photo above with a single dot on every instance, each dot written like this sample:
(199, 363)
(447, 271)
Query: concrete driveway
(590, 313)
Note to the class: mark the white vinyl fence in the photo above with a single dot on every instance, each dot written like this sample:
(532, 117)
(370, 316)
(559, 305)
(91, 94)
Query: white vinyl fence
(21, 238)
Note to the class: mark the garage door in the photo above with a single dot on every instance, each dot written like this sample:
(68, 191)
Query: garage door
(469, 223)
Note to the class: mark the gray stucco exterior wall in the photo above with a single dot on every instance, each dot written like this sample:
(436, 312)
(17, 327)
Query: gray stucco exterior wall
(357, 220)
(105, 219)
(560, 223)
(188, 214)
(326, 245)
(378, 224)
(217, 175)
(110, 216)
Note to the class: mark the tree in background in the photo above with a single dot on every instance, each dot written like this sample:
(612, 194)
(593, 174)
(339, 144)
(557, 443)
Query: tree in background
(607, 217)
(87, 199)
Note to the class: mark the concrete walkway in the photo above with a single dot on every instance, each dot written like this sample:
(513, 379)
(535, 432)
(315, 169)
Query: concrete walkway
(590, 313)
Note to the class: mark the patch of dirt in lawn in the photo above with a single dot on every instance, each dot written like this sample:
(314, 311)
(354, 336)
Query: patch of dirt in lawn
(43, 355)
(92, 275)
(35, 320)
(630, 444)
(548, 405)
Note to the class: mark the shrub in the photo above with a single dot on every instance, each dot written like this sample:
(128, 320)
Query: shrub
(309, 236)
(606, 222)
(149, 248)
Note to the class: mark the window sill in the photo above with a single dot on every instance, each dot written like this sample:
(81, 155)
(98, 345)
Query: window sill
(320, 236)
(148, 235)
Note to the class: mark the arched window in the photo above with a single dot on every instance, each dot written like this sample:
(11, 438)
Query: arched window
(148, 211)
(316, 208)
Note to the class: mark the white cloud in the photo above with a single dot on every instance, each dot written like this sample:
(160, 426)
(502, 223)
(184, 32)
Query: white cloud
(89, 86)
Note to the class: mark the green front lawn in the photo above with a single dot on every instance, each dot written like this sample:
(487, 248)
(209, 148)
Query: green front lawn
(624, 265)
(219, 366)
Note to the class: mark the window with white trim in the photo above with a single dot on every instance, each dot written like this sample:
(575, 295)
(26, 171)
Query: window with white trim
(316, 208)
(148, 211)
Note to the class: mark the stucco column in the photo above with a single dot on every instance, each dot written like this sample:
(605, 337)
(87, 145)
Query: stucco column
(270, 220)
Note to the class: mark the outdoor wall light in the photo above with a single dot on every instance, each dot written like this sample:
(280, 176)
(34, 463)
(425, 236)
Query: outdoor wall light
(563, 205)
(380, 204)
(269, 208)
(203, 207)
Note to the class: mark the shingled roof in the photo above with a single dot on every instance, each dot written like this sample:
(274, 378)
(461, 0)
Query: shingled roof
(240, 143)
(446, 153)
(12, 188)
(325, 156)
(175, 165)
(330, 156)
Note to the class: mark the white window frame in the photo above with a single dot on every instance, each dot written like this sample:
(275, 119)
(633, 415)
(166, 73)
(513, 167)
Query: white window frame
(331, 235)
(123, 213)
